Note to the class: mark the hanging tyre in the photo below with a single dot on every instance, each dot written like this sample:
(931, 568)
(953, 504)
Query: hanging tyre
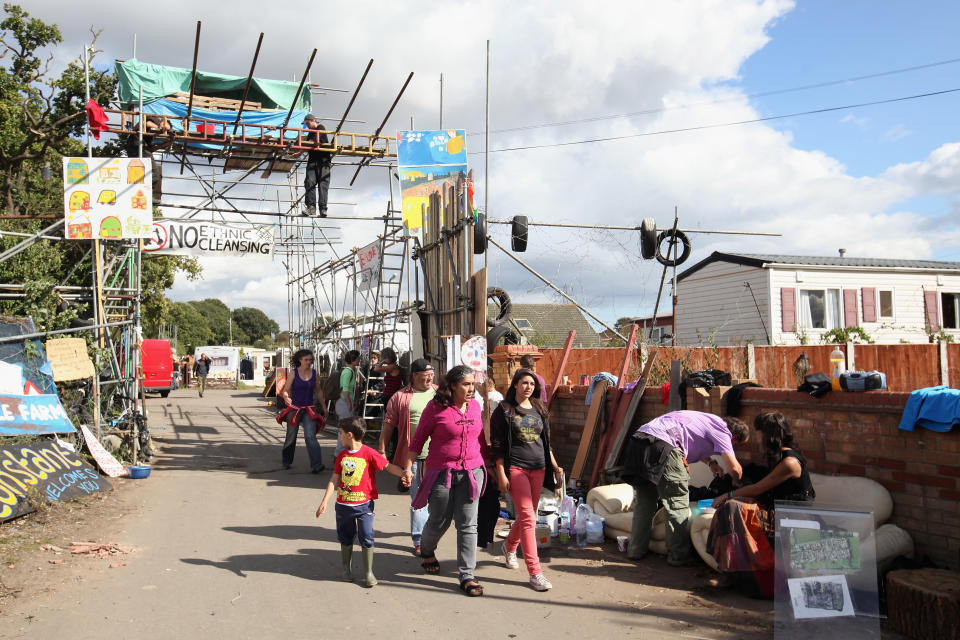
(518, 234)
(648, 238)
(503, 299)
(480, 234)
(501, 334)
(674, 237)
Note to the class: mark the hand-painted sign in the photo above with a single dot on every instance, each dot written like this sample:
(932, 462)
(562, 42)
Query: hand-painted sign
(473, 353)
(427, 160)
(69, 359)
(107, 198)
(368, 261)
(45, 470)
(210, 239)
(37, 377)
(33, 415)
(104, 458)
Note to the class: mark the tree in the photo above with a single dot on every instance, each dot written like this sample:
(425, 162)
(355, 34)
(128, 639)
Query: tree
(218, 315)
(254, 323)
(193, 329)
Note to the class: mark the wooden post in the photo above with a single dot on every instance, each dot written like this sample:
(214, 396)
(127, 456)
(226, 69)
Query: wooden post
(851, 357)
(628, 352)
(944, 363)
(558, 374)
(674, 385)
(751, 362)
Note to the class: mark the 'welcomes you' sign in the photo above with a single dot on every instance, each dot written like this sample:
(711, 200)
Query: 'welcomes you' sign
(42, 470)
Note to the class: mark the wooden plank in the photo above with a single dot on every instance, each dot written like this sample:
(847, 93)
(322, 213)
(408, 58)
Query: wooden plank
(622, 377)
(675, 377)
(618, 408)
(478, 288)
(589, 427)
(558, 375)
(614, 451)
(209, 102)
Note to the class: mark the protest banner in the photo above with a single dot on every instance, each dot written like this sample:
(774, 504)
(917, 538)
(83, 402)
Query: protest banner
(208, 239)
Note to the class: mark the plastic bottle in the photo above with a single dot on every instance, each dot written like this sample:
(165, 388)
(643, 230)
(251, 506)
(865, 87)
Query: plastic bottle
(838, 364)
(580, 525)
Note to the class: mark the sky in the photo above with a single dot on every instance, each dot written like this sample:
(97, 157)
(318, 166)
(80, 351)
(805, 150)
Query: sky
(880, 180)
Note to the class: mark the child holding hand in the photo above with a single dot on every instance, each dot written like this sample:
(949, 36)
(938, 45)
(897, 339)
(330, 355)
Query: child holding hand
(355, 480)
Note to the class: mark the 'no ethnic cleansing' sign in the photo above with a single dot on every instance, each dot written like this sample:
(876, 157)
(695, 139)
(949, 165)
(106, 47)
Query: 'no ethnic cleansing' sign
(42, 470)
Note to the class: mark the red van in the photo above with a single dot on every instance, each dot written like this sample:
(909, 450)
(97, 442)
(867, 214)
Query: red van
(157, 360)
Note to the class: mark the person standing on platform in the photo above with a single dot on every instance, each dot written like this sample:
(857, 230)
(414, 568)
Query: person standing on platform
(318, 169)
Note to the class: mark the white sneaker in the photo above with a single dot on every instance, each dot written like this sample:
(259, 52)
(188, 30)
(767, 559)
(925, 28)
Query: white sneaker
(540, 583)
(509, 557)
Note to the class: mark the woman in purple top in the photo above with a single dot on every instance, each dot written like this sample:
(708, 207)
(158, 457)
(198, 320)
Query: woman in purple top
(303, 392)
(454, 472)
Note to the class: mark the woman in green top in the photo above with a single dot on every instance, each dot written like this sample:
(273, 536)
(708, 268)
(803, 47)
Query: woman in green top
(345, 406)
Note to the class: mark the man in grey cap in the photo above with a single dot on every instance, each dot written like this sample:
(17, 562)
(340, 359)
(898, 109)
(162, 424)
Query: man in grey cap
(318, 168)
(403, 413)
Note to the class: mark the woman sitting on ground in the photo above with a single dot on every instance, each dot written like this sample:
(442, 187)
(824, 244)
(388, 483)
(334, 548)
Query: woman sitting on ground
(742, 530)
(520, 442)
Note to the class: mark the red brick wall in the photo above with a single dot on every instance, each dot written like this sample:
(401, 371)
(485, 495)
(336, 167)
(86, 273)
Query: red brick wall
(839, 434)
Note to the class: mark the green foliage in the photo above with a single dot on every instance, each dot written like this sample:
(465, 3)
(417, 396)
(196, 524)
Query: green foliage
(218, 317)
(193, 329)
(254, 324)
(157, 275)
(846, 334)
(939, 336)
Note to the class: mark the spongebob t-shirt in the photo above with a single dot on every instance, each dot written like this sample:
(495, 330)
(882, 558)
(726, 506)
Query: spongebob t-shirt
(358, 474)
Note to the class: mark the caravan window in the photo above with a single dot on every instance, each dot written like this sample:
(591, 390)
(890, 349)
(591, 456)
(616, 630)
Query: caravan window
(219, 361)
(820, 308)
(951, 310)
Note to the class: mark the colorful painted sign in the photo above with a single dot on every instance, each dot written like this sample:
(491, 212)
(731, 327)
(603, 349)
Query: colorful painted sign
(210, 239)
(42, 469)
(104, 458)
(33, 415)
(368, 261)
(427, 160)
(473, 353)
(107, 198)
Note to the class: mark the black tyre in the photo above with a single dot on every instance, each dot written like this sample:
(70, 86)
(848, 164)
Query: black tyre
(648, 239)
(503, 299)
(674, 236)
(501, 334)
(480, 234)
(518, 234)
(164, 394)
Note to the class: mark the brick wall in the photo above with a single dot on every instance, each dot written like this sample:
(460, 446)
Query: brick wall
(839, 434)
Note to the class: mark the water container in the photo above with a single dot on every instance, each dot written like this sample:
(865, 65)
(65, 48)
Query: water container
(838, 364)
(580, 524)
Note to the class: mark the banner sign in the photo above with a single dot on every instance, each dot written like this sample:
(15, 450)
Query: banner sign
(30, 373)
(33, 415)
(368, 259)
(427, 160)
(42, 469)
(107, 198)
(69, 359)
(192, 238)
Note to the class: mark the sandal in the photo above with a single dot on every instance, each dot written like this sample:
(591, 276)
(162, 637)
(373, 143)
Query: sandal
(471, 587)
(430, 564)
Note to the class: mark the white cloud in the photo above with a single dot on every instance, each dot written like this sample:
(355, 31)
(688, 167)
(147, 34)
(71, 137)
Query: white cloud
(895, 133)
(554, 62)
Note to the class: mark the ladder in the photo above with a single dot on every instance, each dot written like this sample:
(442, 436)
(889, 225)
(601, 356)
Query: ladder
(388, 290)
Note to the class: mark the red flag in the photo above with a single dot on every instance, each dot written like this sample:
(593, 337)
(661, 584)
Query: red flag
(97, 118)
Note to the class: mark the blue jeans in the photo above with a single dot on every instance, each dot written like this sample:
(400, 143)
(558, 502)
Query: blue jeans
(355, 521)
(418, 517)
(309, 436)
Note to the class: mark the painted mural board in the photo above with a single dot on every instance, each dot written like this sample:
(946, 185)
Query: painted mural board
(42, 469)
(368, 261)
(33, 415)
(107, 198)
(426, 161)
(193, 238)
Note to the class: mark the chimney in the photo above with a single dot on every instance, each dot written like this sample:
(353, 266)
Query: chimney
(842, 251)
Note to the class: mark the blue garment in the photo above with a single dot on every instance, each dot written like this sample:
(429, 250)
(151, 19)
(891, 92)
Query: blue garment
(355, 521)
(603, 375)
(935, 408)
(418, 517)
(309, 436)
(302, 391)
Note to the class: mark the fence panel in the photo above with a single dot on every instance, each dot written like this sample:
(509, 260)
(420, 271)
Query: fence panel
(587, 362)
(775, 364)
(908, 366)
(953, 355)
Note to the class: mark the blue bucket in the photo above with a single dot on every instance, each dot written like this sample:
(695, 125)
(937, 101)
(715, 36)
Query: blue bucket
(139, 471)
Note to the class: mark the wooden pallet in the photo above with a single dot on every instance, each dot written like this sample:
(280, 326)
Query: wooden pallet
(215, 104)
(590, 427)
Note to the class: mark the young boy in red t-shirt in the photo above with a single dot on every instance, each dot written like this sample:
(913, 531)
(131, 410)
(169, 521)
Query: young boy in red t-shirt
(355, 478)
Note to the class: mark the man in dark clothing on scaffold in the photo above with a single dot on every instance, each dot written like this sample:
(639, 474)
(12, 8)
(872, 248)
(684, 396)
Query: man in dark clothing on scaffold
(318, 169)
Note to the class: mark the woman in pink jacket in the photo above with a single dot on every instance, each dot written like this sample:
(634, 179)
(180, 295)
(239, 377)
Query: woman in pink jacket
(454, 474)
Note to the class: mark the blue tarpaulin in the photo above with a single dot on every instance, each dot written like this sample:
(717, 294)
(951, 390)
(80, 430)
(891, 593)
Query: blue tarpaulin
(257, 121)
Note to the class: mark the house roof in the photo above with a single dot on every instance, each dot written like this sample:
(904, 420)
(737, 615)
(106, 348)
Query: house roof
(764, 259)
(553, 322)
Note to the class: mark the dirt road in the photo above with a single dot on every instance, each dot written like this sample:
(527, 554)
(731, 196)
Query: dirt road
(227, 543)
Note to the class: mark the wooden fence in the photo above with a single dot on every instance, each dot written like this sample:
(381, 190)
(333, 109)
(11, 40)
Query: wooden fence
(907, 366)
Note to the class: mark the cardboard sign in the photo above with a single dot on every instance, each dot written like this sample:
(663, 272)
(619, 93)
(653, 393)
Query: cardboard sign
(193, 238)
(42, 469)
(33, 415)
(107, 198)
(368, 259)
(69, 359)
